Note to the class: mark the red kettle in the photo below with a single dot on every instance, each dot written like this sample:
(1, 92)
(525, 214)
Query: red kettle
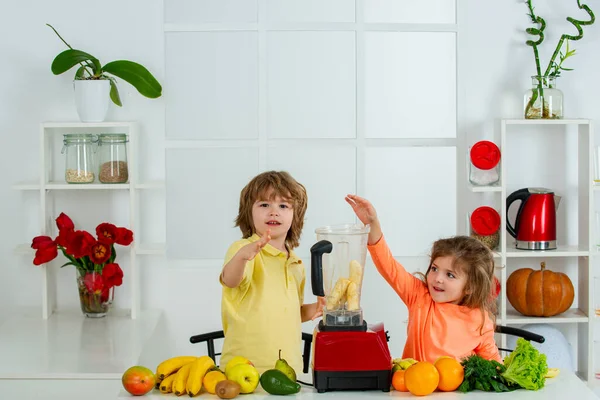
(535, 224)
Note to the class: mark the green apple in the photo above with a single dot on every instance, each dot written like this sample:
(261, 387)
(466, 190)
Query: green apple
(246, 375)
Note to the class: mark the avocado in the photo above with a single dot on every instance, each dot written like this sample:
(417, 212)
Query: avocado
(276, 382)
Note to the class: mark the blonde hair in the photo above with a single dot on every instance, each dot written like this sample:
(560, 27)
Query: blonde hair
(474, 259)
(278, 183)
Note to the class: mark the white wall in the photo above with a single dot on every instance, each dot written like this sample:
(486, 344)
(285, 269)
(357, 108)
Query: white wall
(493, 71)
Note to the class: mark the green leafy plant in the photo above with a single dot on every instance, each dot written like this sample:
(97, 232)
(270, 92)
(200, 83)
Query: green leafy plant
(526, 366)
(553, 69)
(91, 69)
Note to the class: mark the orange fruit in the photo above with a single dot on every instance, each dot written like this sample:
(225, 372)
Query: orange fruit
(210, 380)
(398, 381)
(421, 378)
(451, 373)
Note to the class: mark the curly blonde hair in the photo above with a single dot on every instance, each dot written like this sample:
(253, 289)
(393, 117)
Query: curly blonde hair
(275, 183)
(474, 259)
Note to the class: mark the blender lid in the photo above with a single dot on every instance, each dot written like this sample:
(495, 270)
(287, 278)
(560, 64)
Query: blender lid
(343, 229)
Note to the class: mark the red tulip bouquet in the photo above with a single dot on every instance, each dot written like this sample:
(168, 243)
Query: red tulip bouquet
(94, 259)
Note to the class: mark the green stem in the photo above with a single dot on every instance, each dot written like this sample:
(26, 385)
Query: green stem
(577, 24)
(69, 46)
(539, 31)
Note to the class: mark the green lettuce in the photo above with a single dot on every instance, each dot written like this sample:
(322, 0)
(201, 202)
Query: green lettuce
(526, 366)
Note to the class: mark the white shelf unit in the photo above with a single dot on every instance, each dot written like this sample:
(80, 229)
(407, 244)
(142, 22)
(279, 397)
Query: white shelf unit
(579, 318)
(49, 183)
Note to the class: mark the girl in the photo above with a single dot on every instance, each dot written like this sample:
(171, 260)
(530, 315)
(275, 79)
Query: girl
(263, 280)
(450, 309)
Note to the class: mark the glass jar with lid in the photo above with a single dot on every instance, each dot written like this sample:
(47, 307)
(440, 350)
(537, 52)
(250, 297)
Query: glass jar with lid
(79, 149)
(112, 158)
(485, 226)
(484, 168)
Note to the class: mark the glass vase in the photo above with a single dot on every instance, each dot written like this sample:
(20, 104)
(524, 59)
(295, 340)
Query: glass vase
(94, 298)
(544, 100)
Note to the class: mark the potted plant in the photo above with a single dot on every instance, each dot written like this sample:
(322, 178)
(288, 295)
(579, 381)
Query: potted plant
(95, 82)
(544, 100)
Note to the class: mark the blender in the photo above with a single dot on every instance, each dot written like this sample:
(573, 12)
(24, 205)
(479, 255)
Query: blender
(348, 354)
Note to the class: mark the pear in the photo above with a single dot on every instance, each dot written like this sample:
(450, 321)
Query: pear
(284, 367)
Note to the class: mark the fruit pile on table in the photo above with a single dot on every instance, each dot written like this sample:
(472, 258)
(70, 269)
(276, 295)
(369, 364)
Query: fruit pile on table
(195, 375)
(524, 368)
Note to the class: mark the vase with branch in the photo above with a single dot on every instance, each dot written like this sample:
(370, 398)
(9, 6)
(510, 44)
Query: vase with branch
(544, 99)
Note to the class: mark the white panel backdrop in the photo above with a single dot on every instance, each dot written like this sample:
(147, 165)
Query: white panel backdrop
(301, 90)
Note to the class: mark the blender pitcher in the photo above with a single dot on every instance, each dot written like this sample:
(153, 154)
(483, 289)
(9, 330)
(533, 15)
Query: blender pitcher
(337, 267)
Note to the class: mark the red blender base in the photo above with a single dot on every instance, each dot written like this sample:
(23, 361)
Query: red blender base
(351, 359)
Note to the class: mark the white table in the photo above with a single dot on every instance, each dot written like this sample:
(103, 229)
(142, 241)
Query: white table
(69, 357)
(564, 386)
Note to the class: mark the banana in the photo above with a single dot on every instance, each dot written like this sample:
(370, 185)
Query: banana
(181, 379)
(352, 296)
(552, 372)
(338, 292)
(166, 386)
(356, 272)
(198, 369)
(171, 365)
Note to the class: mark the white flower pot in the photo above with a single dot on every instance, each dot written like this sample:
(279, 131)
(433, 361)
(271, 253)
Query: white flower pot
(92, 99)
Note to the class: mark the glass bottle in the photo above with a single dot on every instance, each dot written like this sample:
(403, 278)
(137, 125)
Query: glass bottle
(484, 168)
(543, 100)
(112, 158)
(485, 226)
(79, 149)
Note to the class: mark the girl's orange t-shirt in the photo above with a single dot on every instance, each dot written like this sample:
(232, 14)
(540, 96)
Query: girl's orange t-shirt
(435, 329)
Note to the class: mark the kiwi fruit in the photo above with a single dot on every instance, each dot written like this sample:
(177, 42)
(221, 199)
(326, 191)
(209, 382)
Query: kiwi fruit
(227, 389)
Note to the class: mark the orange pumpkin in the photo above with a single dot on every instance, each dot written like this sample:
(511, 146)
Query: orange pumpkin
(540, 293)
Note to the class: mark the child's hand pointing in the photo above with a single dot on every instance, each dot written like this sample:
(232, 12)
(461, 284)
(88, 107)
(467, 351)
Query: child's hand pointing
(363, 209)
(249, 251)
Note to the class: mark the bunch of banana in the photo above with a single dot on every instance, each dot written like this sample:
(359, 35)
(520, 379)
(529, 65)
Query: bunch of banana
(186, 378)
(345, 290)
(402, 363)
(172, 365)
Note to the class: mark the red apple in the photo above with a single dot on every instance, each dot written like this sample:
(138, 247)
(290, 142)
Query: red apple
(138, 380)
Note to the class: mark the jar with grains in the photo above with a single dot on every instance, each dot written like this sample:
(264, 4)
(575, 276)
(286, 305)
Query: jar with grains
(485, 226)
(484, 168)
(79, 149)
(112, 158)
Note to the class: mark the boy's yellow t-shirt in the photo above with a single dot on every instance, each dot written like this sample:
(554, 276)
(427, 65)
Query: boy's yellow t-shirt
(262, 314)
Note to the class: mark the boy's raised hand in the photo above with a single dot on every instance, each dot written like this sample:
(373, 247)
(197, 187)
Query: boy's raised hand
(363, 209)
(249, 251)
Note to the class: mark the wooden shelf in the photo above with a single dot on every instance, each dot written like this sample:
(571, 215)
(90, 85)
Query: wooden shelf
(581, 192)
(55, 185)
(77, 124)
(573, 315)
(86, 186)
(564, 121)
(561, 251)
(485, 189)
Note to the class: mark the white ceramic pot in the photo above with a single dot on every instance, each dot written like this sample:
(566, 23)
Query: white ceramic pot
(92, 99)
